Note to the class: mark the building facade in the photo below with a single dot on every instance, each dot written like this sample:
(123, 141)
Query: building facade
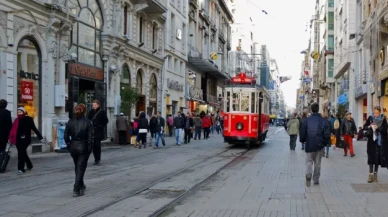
(55, 54)
(176, 49)
(209, 43)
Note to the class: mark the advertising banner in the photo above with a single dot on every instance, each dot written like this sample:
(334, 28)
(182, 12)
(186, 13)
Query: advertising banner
(27, 91)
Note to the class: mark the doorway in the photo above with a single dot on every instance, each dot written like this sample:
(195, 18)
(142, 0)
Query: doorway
(140, 105)
(86, 93)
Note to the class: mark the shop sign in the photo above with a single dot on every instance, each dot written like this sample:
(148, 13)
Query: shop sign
(174, 85)
(27, 91)
(85, 71)
(196, 93)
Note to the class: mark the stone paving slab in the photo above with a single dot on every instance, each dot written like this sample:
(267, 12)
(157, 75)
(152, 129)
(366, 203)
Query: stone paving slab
(271, 183)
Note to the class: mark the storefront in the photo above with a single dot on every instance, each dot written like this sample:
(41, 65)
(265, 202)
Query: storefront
(85, 84)
(29, 88)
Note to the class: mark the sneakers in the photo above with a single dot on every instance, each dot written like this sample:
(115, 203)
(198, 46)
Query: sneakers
(308, 180)
(375, 177)
(370, 177)
(352, 155)
(316, 182)
(327, 155)
(97, 163)
(20, 172)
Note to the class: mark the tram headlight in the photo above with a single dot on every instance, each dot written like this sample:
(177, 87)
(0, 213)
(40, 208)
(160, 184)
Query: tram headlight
(239, 126)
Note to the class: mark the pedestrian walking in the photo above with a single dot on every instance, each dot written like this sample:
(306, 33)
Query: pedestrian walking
(315, 132)
(206, 124)
(377, 146)
(135, 131)
(6, 124)
(213, 123)
(328, 144)
(122, 127)
(349, 130)
(20, 136)
(79, 137)
(152, 128)
(99, 119)
(189, 124)
(197, 127)
(336, 131)
(302, 119)
(170, 125)
(144, 128)
(179, 125)
(160, 123)
(293, 130)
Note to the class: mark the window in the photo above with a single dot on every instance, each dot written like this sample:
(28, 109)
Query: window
(176, 66)
(125, 17)
(331, 21)
(182, 68)
(141, 30)
(228, 101)
(330, 43)
(331, 3)
(154, 36)
(236, 102)
(253, 103)
(85, 37)
(330, 68)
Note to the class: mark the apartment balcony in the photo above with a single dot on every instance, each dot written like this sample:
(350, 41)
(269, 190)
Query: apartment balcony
(212, 100)
(203, 63)
(194, 3)
(150, 7)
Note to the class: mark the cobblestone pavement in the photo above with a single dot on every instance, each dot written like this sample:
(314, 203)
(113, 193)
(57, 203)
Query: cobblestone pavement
(270, 181)
(47, 189)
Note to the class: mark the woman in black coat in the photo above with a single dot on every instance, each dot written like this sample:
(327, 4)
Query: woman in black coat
(21, 136)
(377, 146)
(143, 130)
(81, 132)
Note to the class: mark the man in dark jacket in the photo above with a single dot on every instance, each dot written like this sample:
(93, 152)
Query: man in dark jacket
(315, 133)
(99, 119)
(179, 125)
(189, 124)
(159, 133)
(6, 124)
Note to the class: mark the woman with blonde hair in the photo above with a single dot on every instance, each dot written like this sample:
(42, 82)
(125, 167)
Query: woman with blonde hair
(79, 137)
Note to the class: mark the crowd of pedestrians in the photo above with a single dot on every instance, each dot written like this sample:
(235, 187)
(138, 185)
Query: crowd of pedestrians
(317, 134)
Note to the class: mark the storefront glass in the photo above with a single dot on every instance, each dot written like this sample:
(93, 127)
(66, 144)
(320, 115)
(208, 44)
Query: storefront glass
(28, 79)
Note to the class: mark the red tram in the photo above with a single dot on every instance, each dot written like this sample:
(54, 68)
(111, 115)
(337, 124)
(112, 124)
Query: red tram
(246, 111)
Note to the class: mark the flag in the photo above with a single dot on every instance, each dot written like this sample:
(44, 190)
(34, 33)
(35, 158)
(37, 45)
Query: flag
(306, 72)
(284, 78)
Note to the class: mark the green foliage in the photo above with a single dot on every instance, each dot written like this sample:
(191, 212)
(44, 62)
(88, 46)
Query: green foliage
(129, 97)
(82, 98)
(341, 110)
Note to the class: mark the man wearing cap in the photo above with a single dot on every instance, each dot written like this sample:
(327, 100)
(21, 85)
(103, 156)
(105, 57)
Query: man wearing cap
(349, 129)
(122, 126)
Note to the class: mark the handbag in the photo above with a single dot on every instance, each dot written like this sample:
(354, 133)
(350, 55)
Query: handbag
(143, 131)
(342, 144)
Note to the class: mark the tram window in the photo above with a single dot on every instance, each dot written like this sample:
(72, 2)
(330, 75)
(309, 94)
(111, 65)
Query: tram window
(236, 102)
(227, 101)
(253, 103)
(245, 102)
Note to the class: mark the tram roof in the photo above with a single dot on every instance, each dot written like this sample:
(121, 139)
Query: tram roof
(261, 87)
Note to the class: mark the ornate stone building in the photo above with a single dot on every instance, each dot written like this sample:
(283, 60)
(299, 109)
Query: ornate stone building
(57, 53)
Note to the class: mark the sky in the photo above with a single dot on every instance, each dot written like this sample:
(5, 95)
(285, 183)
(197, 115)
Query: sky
(282, 29)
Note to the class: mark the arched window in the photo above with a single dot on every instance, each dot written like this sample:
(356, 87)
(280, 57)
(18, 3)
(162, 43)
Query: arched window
(85, 40)
(125, 77)
(139, 82)
(154, 36)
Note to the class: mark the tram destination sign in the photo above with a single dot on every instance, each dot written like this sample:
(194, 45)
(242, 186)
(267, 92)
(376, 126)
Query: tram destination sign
(85, 71)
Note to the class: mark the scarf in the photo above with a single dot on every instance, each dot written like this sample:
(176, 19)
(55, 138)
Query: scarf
(14, 130)
(377, 121)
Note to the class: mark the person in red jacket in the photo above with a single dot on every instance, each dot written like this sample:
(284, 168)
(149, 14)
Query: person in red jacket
(206, 124)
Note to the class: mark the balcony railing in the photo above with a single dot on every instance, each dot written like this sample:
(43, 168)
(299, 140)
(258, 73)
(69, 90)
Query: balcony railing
(194, 52)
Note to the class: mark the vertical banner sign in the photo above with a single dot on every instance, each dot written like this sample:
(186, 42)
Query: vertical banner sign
(27, 89)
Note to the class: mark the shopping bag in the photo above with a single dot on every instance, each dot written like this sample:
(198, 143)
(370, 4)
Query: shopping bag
(342, 144)
(133, 140)
(333, 140)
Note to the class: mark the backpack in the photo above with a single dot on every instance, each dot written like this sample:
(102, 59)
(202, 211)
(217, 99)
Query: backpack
(336, 124)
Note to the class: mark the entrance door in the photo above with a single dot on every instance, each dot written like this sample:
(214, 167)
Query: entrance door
(140, 105)
(73, 95)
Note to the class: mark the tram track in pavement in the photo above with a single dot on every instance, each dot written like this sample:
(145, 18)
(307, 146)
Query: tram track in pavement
(182, 195)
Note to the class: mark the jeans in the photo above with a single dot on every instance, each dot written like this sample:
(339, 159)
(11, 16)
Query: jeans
(3, 146)
(197, 133)
(23, 158)
(80, 164)
(178, 136)
(161, 136)
(170, 130)
(122, 137)
(143, 139)
(303, 144)
(187, 135)
(327, 150)
(314, 158)
(206, 132)
(97, 150)
(293, 141)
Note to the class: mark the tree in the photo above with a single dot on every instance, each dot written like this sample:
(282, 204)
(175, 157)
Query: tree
(341, 110)
(129, 98)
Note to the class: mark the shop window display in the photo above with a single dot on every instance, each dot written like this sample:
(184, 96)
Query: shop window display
(28, 79)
